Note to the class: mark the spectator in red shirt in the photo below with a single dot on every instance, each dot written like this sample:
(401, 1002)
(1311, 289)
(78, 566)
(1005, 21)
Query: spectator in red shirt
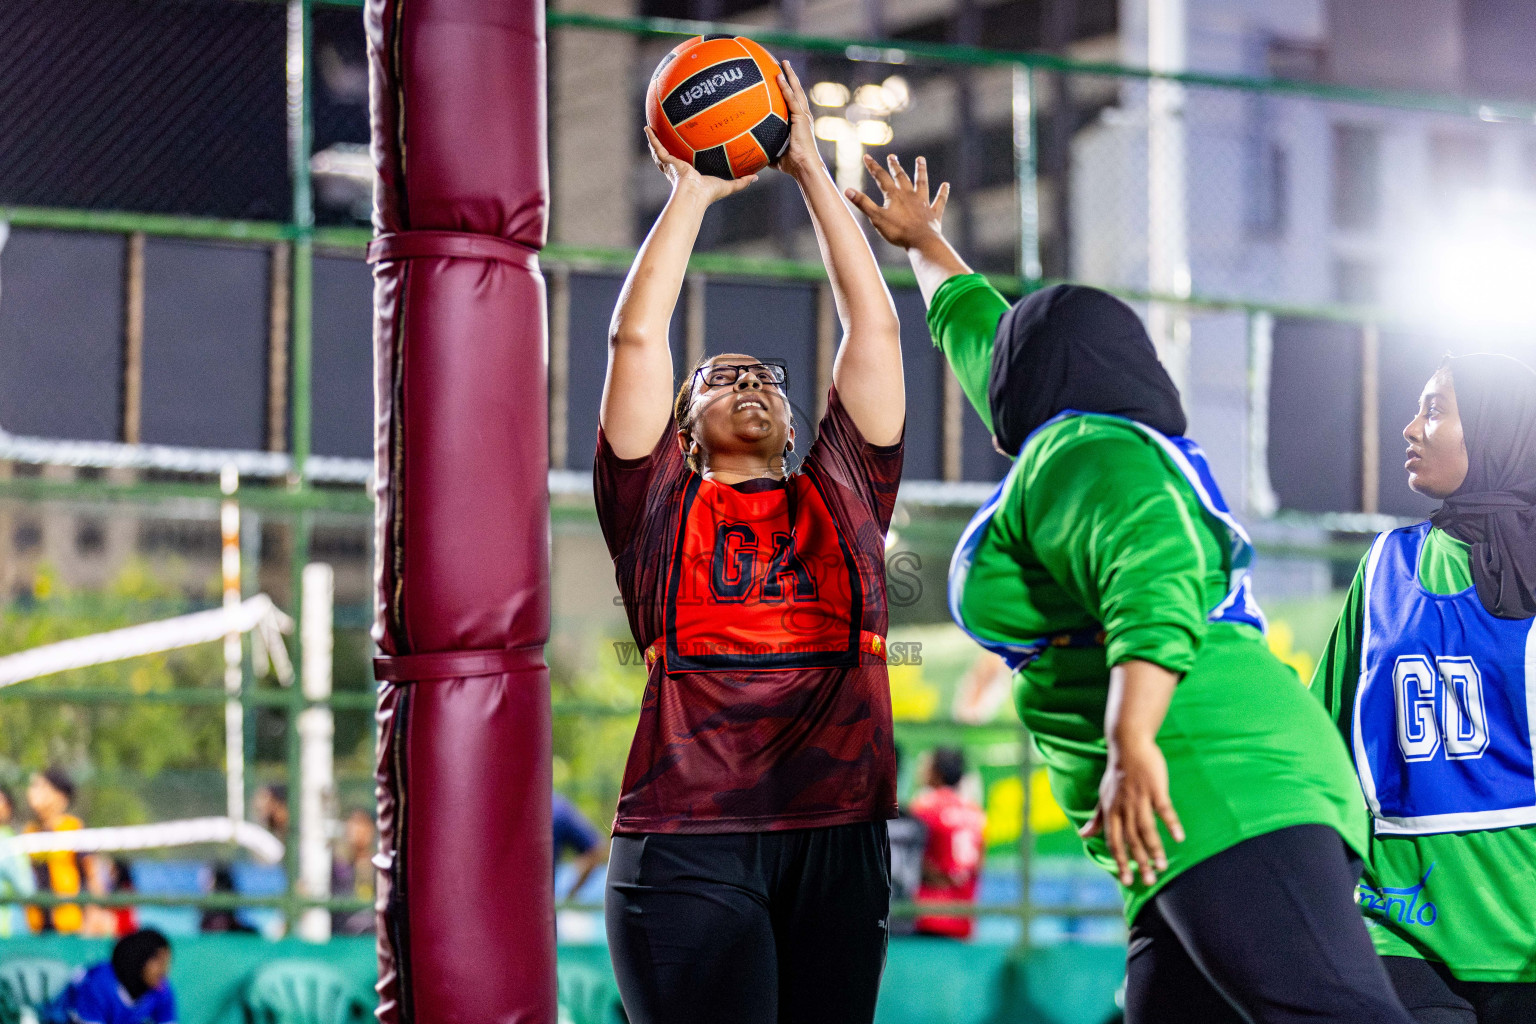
(952, 860)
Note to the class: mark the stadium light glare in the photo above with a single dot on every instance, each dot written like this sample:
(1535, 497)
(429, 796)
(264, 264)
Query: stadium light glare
(898, 95)
(875, 133)
(1481, 275)
(829, 94)
(873, 98)
(833, 129)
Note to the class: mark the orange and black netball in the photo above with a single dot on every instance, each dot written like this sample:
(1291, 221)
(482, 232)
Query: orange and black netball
(715, 102)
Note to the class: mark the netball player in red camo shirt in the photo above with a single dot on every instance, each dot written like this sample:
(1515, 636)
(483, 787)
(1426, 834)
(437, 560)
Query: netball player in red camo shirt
(749, 880)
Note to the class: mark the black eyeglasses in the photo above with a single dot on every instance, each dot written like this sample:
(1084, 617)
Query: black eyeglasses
(720, 375)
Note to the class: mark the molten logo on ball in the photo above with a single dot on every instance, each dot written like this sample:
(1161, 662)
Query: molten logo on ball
(710, 85)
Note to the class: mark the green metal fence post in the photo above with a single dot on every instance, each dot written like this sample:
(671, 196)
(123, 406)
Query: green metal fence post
(300, 135)
(1026, 841)
(298, 557)
(250, 584)
(1026, 162)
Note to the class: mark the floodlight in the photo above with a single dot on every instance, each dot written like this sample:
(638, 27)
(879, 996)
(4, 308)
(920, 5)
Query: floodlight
(873, 98)
(829, 94)
(833, 129)
(875, 133)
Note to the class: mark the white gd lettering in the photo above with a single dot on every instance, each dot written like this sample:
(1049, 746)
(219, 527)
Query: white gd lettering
(1465, 720)
(1443, 702)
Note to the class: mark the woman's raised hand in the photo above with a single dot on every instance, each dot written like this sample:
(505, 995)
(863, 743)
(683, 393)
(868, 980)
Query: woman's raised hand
(908, 217)
(685, 177)
(802, 155)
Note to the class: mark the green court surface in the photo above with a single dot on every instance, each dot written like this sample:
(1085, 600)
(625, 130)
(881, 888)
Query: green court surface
(927, 981)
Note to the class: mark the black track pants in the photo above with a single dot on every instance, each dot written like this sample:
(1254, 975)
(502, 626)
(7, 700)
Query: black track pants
(755, 928)
(1434, 996)
(1266, 932)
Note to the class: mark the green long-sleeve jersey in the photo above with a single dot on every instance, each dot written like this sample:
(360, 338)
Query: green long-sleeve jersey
(1464, 899)
(1097, 529)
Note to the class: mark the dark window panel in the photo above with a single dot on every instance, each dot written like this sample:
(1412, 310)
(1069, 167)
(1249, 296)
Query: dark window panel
(1497, 36)
(592, 297)
(769, 321)
(1016, 24)
(1356, 176)
(1314, 416)
(61, 335)
(978, 459)
(924, 370)
(205, 344)
(342, 368)
(170, 107)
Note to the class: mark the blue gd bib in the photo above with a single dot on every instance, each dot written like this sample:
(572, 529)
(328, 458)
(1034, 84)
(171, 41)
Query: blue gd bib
(1446, 703)
(1237, 606)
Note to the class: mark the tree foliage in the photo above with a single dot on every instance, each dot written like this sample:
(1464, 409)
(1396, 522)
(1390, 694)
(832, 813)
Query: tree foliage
(112, 748)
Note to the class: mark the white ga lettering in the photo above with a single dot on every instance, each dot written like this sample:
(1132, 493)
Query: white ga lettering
(1439, 705)
(710, 85)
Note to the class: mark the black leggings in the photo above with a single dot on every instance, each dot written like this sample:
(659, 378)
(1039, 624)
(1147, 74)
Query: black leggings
(755, 928)
(1434, 996)
(1266, 932)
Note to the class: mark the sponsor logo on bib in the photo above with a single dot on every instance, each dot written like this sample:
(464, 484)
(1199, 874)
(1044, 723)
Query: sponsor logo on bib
(1405, 906)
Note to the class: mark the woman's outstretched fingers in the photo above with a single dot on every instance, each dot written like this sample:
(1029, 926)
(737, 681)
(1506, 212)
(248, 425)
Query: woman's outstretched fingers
(920, 177)
(941, 201)
(795, 97)
(898, 172)
(867, 206)
(654, 146)
(882, 179)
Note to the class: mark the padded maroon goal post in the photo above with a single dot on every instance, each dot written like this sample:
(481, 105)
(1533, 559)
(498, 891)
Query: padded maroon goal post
(466, 907)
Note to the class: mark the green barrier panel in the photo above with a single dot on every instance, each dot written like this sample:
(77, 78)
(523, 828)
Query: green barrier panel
(927, 981)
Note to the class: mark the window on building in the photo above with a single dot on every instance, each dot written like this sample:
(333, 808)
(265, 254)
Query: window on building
(90, 537)
(1356, 177)
(1459, 163)
(1268, 190)
(28, 536)
(1355, 281)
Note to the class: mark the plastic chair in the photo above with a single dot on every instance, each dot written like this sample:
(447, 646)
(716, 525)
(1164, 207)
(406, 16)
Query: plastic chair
(303, 992)
(30, 984)
(171, 878)
(252, 879)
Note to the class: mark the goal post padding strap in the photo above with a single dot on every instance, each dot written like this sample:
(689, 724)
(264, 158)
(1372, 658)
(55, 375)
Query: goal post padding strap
(461, 475)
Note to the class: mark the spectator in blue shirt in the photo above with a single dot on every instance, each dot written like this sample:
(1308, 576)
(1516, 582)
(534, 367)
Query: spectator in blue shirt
(131, 988)
(575, 833)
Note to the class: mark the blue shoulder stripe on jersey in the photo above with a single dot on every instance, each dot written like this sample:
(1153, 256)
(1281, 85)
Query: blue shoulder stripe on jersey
(1238, 605)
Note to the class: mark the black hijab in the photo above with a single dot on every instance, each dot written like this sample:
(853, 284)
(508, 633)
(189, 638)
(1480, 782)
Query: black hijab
(1494, 509)
(130, 955)
(1071, 347)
